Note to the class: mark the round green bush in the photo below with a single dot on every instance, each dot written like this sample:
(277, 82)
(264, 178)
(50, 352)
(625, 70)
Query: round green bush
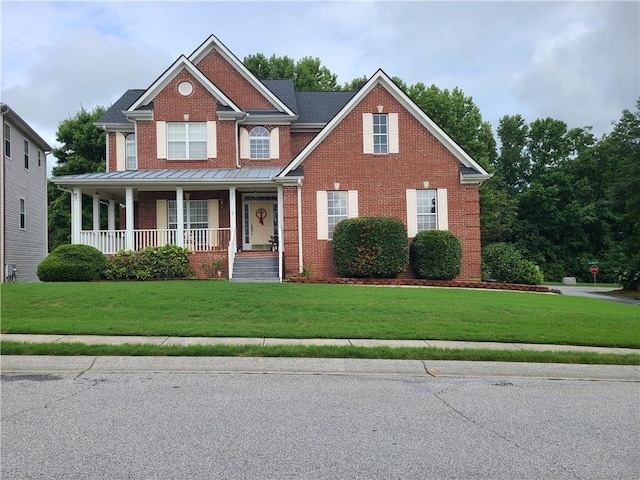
(436, 255)
(370, 247)
(168, 261)
(504, 263)
(72, 263)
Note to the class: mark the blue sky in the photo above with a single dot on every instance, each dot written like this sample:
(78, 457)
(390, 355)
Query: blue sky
(575, 61)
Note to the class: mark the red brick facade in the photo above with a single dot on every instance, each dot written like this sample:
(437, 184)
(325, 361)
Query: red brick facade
(381, 180)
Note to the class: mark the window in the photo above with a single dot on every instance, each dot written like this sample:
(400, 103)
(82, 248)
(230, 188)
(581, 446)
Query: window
(23, 214)
(7, 140)
(39, 158)
(426, 210)
(187, 141)
(131, 160)
(380, 133)
(196, 214)
(337, 209)
(26, 154)
(259, 143)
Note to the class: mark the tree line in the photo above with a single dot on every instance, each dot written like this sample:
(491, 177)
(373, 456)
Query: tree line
(560, 195)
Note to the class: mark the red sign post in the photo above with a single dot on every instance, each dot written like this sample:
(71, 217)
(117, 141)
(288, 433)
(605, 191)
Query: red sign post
(594, 269)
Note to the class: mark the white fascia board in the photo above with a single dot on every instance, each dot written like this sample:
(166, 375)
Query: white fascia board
(479, 178)
(116, 127)
(170, 73)
(383, 79)
(307, 127)
(139, 115)
(212, 43)
(254, 119)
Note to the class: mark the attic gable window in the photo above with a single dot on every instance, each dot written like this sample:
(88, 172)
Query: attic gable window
(380, 133)
(186, 140)
(259, 143)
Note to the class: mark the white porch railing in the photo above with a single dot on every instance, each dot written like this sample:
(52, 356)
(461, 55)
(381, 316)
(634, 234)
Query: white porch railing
(196, 240)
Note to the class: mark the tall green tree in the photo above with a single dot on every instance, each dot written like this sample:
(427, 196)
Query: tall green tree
(82, 150)
(308, 73)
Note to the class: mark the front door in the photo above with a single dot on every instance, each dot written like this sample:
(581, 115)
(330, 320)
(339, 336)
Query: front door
(261, 225)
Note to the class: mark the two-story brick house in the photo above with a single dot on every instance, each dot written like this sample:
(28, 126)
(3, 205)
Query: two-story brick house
(211, 158)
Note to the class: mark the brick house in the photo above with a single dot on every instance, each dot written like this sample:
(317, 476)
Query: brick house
(213, 159)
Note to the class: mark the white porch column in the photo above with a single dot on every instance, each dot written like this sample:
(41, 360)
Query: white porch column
(111, 215)
(280, 230)
(96, 213)
(129, 206)
(180, 214)
(232, 214)
(76, 215)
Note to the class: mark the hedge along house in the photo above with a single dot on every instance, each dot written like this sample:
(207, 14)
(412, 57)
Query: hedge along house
(213, 159)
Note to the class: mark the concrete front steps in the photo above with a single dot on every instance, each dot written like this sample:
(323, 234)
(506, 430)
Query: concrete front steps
(256, 267)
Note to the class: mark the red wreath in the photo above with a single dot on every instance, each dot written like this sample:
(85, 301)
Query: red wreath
(261, 213)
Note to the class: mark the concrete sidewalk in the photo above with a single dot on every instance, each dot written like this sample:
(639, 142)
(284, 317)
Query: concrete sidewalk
(188, 341)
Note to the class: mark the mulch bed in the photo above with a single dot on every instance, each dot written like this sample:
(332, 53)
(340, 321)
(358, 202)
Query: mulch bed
(423, 283)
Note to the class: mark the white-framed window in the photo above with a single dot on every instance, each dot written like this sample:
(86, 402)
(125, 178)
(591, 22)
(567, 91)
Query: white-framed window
(39, 158)
(332, 207)
(337, 209)
(380, 133)
(26, 154)
(131, 157)
(427, 211)
(23, 214)
(259, 145)
(7, 140)
(195, 213)
(186, 140)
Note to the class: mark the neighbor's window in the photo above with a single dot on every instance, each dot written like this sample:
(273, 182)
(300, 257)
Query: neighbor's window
(337, 209)
(187, 141)
(131, 162)
(380, 133)
(427, 210)
(26, 154)
(39, 158)
(23, 214)
(7, 140)
(259, 143)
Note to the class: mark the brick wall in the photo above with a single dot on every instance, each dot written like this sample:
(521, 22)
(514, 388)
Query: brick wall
(382, 180)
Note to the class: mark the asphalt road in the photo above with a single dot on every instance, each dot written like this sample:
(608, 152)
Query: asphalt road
(116, 425)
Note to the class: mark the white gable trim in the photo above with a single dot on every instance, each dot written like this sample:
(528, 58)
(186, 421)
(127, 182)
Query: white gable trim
(383, 79)
(181, 64)
(212, 43)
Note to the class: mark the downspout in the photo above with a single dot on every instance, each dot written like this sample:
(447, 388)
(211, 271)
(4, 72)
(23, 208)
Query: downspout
(244, 116)
(300, 261)
(3, 110)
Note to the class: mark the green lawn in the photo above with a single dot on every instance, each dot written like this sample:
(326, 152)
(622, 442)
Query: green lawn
(216, 308)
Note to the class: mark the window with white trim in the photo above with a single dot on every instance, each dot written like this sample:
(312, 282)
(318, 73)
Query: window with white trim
(427, 210)
(26, 154)
(186, 140)
(337, 209)
(195, 214)
(380, 133)
(23, 214)
(131, 157)
(7, 140)
(259, 146)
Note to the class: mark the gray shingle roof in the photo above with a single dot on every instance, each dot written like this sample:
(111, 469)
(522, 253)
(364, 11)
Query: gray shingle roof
(114, 113)
(320, 107)
(283, 89)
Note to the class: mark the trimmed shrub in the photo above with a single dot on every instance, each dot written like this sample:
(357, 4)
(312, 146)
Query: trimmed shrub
(168, 261)
(72, 263)
(370, 247)
(504, 263)
(436, 255)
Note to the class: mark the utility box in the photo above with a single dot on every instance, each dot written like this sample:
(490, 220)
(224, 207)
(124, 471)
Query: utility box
(10, 272)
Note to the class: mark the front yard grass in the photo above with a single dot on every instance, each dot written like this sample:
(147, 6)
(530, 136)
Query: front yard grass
(215, 308)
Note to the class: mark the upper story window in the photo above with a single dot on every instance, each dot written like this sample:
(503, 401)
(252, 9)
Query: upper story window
(7, 140)
(131, 157)
(39, 158)
(380, 133)
(427, 210)
(259, 147)
(26, 154)
(23, 214)
(187, 140)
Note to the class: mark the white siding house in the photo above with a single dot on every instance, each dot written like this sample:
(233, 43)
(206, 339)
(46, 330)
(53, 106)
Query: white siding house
(23, 201)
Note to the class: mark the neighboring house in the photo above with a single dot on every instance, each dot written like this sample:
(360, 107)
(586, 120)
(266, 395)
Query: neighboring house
(23, 202)
(211, 158)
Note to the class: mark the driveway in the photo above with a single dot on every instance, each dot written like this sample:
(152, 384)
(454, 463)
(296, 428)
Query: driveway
(594, 292)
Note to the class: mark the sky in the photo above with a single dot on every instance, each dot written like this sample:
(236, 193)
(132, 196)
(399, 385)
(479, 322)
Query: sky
(578, 62)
